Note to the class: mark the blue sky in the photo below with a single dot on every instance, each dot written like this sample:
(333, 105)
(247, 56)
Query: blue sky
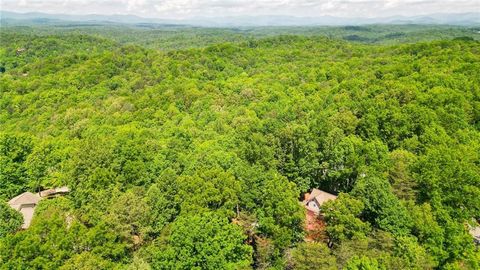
(182, 9)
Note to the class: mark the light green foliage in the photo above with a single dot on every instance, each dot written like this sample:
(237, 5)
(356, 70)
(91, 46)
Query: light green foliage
(347, 158)
(209, 189)
(414, 256)
(363, 263)
(279, 215)
(55, 236)
(44, 164)
(428, 231)
(138, 264)
(162, 201)
(86, 261)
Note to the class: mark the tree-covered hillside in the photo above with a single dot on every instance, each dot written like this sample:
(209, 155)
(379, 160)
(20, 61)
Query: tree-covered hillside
(174, 37)
(198, 158)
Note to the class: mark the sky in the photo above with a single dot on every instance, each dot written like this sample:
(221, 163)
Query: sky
(183, 9)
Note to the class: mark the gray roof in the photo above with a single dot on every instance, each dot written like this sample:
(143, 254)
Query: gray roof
(24, 199)
(25, 203)
(54, 191)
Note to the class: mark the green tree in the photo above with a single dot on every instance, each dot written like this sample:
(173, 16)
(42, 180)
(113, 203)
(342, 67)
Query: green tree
(428, 231)
(10, 220)
(403, 183)
(382, 208)
(204, 241)
(343, 219)
(163, 201)
(14, 150)
(87, 261)
(128, 216)
(414, 256)
(312, 256)
(363, 263)
(449, 178)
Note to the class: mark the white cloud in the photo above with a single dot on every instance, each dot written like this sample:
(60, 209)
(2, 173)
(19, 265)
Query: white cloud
(216, 8)
(133, 5)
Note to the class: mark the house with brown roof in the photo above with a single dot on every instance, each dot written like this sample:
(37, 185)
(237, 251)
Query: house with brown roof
(25, 203)
(314, 200)
(314, 223)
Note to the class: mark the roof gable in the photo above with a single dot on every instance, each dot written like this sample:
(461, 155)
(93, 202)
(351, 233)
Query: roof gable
(324, 197)
(320, 196)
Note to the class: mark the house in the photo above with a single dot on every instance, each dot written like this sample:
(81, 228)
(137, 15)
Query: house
(25, 203)
(314, 200)
(314, 223)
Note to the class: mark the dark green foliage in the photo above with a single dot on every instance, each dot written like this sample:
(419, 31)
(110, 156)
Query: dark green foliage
(14, 150)
(10, 220)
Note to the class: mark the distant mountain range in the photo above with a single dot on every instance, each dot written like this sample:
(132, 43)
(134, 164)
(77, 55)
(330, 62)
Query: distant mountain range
(466, 19)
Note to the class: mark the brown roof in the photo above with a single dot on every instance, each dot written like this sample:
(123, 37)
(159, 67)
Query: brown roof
(320, 196)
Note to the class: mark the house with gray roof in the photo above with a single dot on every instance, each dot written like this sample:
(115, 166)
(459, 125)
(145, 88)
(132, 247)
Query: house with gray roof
(25, 203)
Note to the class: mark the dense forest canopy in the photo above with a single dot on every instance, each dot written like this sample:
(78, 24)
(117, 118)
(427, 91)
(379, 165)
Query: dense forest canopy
(174, 37)
(194, 152)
